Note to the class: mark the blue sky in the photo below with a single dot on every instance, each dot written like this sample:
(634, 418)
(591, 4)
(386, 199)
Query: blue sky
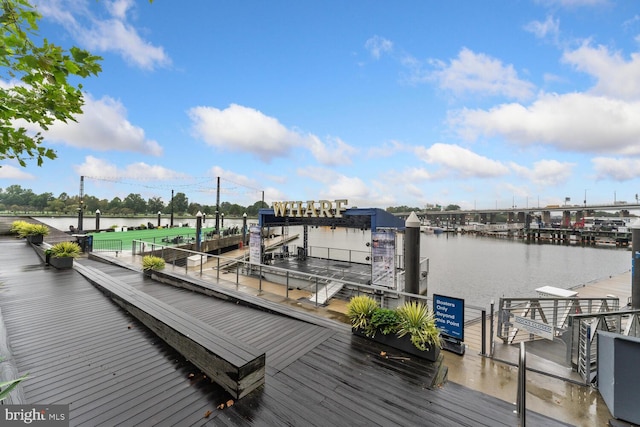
(482, 104)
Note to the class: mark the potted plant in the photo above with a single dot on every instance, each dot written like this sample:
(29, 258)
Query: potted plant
(34, 233)
(151, 263)
(61, 254)
(410, 328)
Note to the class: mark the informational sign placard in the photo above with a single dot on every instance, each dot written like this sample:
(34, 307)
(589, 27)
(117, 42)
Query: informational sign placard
(449, 314)
(383, 252)
(255, 245)
(540, 329)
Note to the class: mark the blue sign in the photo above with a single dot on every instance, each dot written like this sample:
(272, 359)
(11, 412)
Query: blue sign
(449, 314)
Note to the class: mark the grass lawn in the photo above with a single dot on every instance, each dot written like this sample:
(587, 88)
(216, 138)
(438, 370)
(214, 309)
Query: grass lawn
(155, 235)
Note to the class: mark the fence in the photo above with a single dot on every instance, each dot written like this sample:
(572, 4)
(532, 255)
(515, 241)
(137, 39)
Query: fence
(111, 245)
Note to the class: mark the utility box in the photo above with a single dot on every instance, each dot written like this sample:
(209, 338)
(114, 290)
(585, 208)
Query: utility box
(618, 375)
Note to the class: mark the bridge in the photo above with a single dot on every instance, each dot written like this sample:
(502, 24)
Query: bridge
(521, 215)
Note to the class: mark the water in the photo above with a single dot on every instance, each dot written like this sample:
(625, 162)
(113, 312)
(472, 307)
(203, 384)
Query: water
(477, 269)
(482, 269)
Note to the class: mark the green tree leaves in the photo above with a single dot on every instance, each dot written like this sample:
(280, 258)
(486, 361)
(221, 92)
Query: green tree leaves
(39, 91)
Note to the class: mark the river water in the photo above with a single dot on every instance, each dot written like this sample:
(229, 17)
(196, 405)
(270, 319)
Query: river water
(477, 269)
(482, 269)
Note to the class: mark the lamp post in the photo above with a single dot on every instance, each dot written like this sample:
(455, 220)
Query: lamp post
(198, 230)
(80, 214)
(171, 224)
(97, 219)
(217, 222)
(222, 220)
(159, 215)
(244, 229)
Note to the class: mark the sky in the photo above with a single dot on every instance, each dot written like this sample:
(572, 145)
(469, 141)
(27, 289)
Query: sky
(481, 104)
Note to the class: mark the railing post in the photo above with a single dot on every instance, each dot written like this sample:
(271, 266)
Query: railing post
(522, 389)
(218, 269)
(260, 278)
(287, 285)
(484, 333)
(200, 265)
(491, 320)
(316, 291)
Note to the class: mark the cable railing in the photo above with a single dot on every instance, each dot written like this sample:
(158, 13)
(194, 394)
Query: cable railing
(309, 288)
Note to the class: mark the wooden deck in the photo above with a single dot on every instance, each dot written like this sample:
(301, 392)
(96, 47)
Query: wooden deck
(80, 348)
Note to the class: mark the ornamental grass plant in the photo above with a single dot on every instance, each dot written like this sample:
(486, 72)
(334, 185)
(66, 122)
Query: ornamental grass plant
(413, 318)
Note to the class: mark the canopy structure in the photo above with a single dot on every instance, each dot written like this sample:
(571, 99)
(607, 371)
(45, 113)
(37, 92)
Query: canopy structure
(359, 218)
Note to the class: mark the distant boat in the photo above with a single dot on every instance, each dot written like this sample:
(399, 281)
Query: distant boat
(431, 229)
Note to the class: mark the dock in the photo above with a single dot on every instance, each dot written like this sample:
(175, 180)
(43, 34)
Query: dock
(83, 350)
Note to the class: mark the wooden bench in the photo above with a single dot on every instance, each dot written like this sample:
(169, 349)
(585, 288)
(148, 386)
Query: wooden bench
(234, 365)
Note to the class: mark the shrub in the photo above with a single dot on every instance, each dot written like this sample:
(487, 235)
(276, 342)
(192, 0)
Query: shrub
(360, 310)
(25, 229)
(65, 249)
(413, 318)
(385, 320)
(417, 320)
(150, 262)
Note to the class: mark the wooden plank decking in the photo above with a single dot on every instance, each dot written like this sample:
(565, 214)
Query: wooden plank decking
(80, 348)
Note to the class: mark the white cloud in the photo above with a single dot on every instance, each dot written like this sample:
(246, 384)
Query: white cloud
(334, 152)
(479, 73)
(549, 28)
(103, 127)
(377, 45)
(455, 160)
(546, 173)
(98, 168)
(105, 35)
(244, 129)
(616, 77)
(12, 172)
(617, 169)
(571, 122)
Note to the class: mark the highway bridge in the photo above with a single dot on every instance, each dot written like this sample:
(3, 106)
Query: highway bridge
(524, 215)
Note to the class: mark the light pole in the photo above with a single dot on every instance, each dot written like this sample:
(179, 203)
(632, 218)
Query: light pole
(198, 230)
(585, 197)
(222, 220)
(97, 219)
(159, 215)
(244, 229)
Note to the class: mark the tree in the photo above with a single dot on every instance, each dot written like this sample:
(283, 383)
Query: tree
(44, 94)
(155, 204)
(180, 203)
(452, 208)
(135, 203)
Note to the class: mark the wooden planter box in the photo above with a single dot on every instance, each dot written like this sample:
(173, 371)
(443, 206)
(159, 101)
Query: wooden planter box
(60, 263)
(403, 344)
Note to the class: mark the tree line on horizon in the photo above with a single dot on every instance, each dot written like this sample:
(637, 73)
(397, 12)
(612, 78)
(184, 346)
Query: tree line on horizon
(16, 199)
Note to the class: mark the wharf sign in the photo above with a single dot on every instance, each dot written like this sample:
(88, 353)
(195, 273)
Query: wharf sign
(310, 208)
(449, 315)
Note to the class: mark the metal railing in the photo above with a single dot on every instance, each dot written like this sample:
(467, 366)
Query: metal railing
(582, 338)
(554, 312)
(241, 274)
(521, 398)
(111, 245)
